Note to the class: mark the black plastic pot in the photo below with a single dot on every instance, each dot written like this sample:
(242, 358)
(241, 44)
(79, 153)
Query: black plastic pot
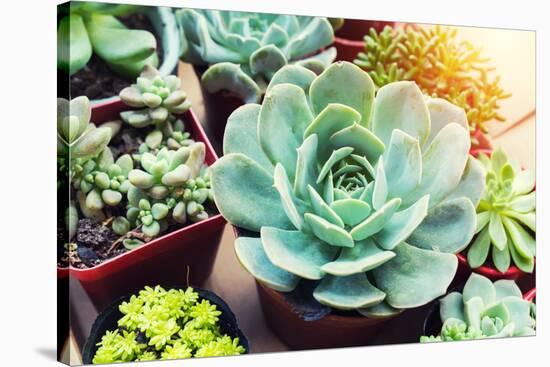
(107, 321)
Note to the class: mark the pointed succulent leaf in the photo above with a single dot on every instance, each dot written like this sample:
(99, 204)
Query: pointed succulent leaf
(252, 256)
(479, 286)
(376, 221)
(362, 140)
(348, 292)
(296, 252)
(293, 207)
(478, 252)
(364, 256)
(245, 195)
(328, 232)
(443, 112)
(334, 84)
(306, 167)
(403, 278)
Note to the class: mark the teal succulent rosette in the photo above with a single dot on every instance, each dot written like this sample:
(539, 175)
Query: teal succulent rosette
(244, 50)
(367, 196)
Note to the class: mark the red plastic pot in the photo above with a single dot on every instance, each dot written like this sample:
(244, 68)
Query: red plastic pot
(349, 40)
(530, 295)
(332, 331)
(184, 256)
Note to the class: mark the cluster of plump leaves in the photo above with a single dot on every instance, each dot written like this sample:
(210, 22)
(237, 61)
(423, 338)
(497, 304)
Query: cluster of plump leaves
(89, 27)
(161, 324)
(369, 197)
(244, 50)
(441, 65)
(485, 310)
(506, 222)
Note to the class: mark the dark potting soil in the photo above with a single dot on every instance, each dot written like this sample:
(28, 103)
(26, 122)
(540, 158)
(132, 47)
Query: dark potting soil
(96, 80)
(94, 241)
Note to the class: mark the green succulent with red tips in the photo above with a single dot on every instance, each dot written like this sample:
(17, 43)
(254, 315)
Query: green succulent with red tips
(369, 196)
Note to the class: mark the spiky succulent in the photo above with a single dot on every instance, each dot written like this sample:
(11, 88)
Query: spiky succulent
(90, 27)
(171, 185)
(506, 222)
(166, 324)
(244, 50)
(441, 65)
(368, 196)
(484, 310)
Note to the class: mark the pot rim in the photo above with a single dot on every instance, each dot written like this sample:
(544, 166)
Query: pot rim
(512, 273)
(164, 22)
(63, 272)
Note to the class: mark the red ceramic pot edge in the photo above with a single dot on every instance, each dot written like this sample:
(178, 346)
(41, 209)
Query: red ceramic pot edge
(103, 112)
(530, 295)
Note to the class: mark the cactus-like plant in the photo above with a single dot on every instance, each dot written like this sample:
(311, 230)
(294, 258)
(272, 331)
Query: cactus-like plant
(505, 216)
(171, 185)
(90, 27)
(441, 65)
(244, 50)
(371, 197)
(484, 310)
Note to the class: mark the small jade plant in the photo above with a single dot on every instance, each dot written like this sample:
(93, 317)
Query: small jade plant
(368, 196)
(89, 27)
(166, 324)
(485, 310)
(506, 222)
(440, 64)
(244, 50)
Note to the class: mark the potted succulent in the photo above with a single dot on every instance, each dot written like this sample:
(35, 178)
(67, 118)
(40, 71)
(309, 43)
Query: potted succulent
(102, 47)
(344, 201)
(483, 310)
(236, 54)
(141, 206)
(158, 323)
(504, 246)
(349, 35)
(441, 66)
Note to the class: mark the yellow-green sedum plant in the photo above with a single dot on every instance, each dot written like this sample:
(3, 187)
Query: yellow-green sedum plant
(441, 65)
(244, 50)
(506, 222)
(485, 310)
(369, 197)
(90, 27)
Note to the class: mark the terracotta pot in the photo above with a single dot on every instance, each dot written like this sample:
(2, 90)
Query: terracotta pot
(332, 331)
(107, 321)
(349, 40)
(181, 256)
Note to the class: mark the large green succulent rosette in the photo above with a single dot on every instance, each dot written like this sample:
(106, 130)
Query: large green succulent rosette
(369, 197)
(244, 50)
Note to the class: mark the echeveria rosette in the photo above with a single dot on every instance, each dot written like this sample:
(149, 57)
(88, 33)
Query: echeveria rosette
(485, 310)
(86, 28)
(245, 50)
(371, 197)
(506, 216)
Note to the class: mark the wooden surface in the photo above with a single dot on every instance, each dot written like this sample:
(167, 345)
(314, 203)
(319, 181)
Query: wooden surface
(237, 287)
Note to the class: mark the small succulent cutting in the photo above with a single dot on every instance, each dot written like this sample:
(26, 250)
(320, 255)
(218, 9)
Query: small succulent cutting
(160, 324)
(441, 65)
(89, 27)
(506, 222)
(244, 50)
(367, 196)
(485, 310)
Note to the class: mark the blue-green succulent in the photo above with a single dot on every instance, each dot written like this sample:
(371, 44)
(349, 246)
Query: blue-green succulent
(369, 196)
(506, 216)
(485, 310)
(244, 50)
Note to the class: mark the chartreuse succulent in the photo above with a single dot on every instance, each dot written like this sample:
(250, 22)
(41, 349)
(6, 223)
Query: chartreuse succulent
(506, 222)
(484, 310)
(87, 28)
(441, 65)
(369, 196)
(166, 324)
(172, 185)
(244, 50)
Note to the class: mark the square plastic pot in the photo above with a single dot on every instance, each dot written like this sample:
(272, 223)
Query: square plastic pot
(183, 256)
